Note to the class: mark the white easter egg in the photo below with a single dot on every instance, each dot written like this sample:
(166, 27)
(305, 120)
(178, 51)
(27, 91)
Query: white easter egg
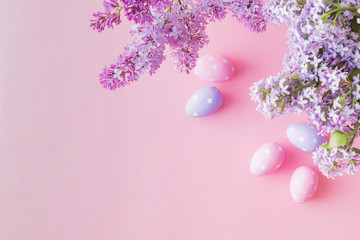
(267, 159)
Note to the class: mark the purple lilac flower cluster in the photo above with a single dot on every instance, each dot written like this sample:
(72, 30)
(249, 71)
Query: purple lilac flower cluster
(178, 24)
(320, 76)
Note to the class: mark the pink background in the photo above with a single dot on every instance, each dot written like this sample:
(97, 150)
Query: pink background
(81, 162)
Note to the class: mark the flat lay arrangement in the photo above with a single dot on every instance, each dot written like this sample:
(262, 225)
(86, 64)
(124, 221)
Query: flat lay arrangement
(179, 119)
(320, 77)
(321, 72)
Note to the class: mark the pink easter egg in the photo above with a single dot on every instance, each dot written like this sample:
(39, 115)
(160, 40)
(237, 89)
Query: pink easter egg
(267, 159)
(303, 184)
(215, 68)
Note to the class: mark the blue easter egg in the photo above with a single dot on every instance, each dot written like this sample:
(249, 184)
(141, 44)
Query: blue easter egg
(304, 137)
(203, 102)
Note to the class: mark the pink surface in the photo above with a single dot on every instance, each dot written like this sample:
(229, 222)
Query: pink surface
(80, 162)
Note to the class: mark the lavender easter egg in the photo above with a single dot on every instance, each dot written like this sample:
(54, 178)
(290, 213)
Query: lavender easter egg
(303, 184)
(215, 68)
(304, 137)
(267, 159)
(203, 102)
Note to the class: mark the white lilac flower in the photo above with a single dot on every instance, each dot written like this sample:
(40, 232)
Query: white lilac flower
(321, 72)
(337, 161)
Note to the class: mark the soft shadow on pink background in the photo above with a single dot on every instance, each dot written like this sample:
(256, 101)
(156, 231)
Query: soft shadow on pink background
(81, 162)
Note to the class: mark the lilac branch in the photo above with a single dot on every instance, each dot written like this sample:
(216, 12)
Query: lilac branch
(108, 18)
(178, 24)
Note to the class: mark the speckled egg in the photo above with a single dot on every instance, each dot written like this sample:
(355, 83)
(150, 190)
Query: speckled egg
(203, 102)
(267, 159)
(304, 137)
(215, 68)
(303, 184)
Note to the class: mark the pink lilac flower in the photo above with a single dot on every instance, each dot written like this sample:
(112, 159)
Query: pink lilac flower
(145, 54)
(108, 18)
(178, 24)
(246, 11)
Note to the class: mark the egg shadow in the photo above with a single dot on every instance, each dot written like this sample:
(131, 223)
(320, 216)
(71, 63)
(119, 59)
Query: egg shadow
(290, 163)
(228, 101)
(323, 188)
(240, 67)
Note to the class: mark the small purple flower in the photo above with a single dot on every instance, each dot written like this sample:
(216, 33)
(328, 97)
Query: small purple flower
(108, 18)
(179, 24)
(336, 162)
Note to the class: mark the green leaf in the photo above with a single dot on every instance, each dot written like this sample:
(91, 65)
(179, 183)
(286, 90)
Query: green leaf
(342, 100)
(326, 146)
(334, 165)
(356, 150)
(326, 93)
(310, 67)
(355, 27)
(352, 162)
(283, 106)
(353, 73)
(341, 64)
(356, 13)
(264, 90)
(325, 18)
(293, 76)
(339, 138)
(301, 2)
(354, 100)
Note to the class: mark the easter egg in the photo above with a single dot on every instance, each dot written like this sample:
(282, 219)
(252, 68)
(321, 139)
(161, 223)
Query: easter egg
(203, 102)
(215, 68)
(303, 184)
(304, 137)
(267, 159)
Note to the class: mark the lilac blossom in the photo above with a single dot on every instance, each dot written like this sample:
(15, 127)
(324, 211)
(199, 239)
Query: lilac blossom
(246, 11)
(108, 18)
(320, 75)
(178, 24)
(336, 162)
(144, 55)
